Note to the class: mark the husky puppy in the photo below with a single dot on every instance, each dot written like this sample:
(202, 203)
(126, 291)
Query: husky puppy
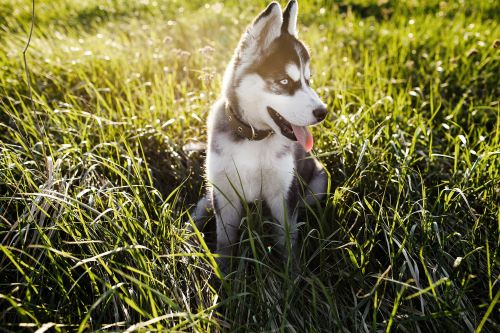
(258, 140)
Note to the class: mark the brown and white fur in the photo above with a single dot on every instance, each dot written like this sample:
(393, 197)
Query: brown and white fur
(269, 72)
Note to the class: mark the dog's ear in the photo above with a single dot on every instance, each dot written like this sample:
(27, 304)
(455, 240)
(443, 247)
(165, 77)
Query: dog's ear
(290, 18)
(265, 28)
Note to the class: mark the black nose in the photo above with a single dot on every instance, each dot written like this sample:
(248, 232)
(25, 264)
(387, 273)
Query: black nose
(320, 113)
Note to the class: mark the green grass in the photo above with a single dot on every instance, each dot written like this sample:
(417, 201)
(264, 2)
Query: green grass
(96, 185)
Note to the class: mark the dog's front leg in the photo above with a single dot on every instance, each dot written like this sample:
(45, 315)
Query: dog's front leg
(228, 216)
(284, 210)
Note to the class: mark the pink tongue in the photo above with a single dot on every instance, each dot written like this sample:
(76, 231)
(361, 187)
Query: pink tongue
(304, 137)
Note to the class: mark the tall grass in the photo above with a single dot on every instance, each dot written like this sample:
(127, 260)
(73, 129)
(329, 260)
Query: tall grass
(97, 180)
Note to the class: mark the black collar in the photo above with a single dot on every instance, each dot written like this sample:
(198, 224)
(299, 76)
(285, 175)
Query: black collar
(243, 129)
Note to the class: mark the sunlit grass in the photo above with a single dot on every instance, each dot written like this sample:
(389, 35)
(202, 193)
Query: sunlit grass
(96, 183)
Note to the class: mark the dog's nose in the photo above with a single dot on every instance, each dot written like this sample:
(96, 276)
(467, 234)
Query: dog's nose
(320, 113)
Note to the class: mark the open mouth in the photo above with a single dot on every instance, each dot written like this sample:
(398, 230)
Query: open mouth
(292, 132)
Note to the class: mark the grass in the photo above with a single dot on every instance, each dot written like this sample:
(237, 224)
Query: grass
(98, 179)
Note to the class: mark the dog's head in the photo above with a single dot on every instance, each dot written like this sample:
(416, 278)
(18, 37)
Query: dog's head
(270, 75)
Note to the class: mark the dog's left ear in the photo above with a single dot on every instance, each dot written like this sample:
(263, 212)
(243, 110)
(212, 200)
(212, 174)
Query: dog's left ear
(290, 18)
(266, 27)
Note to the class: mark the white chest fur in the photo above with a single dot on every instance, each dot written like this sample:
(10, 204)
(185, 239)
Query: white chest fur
(255, 169)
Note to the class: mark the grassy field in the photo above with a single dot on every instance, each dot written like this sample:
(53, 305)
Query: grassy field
(98, 174)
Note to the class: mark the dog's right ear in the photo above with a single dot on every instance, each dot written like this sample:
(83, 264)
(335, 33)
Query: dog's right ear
(265, 28)
(290, 18)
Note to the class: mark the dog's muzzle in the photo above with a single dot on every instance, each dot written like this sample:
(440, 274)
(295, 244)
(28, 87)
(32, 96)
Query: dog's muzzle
(283, 124)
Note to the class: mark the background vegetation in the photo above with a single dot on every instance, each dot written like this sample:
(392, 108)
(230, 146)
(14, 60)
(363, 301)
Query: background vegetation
(98, 175)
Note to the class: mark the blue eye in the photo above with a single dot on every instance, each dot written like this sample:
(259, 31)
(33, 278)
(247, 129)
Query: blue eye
(284, 82)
